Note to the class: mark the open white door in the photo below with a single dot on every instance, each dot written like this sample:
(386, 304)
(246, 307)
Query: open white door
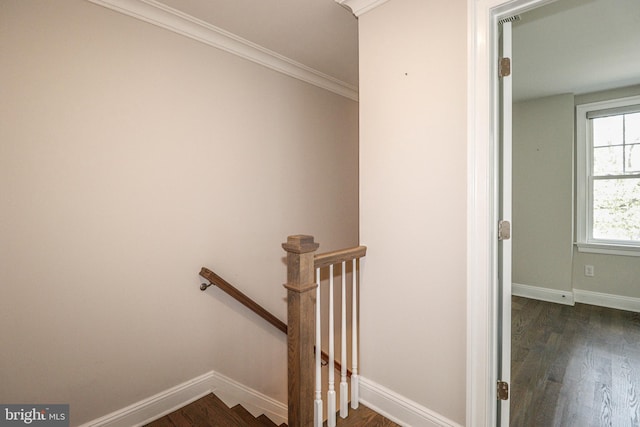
(504, 228)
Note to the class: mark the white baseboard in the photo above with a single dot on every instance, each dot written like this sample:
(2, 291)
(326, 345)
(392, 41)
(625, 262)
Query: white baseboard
(577, 295)
(156, 406)
(398, 408)
(607, 300)
(163, 403)
(232, 392)
(543, 294)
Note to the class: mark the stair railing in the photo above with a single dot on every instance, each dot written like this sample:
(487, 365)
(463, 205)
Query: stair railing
(232, 291)
(229, 289)
(304, 330)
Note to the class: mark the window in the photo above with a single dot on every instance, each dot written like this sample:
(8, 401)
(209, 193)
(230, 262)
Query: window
(608, 176)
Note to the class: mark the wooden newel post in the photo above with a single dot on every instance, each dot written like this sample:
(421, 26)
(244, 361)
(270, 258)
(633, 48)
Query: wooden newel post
(301, 328)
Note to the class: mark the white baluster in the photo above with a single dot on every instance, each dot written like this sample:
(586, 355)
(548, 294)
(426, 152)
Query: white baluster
(355, 383)
(331, 394)
(344, 387)
(317, 407)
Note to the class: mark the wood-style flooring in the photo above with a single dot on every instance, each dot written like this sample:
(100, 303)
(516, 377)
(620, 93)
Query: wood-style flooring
(210, 411)
(574, 366)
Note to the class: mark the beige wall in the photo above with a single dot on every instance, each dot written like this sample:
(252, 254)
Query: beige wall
(413, 200)
(542, 192)
(129, 158)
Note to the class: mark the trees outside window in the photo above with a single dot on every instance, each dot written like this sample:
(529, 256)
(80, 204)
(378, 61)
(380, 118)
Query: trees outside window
(608, 166)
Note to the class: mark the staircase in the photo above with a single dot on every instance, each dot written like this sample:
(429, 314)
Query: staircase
(210, 411)
(305, 281)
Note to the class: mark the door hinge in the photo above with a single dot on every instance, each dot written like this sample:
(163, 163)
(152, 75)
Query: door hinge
(504, 67)
(504, 230)
(503, 390)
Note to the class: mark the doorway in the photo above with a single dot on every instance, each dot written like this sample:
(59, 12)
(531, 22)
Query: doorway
(483, 291)
(572, 370)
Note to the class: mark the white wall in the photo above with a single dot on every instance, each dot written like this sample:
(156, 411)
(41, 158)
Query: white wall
(413, 200)
(542, 192)
(129, 158)
(543, 252)
(614, 274)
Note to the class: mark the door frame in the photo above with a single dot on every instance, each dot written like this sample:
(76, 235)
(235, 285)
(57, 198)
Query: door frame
(482, 197)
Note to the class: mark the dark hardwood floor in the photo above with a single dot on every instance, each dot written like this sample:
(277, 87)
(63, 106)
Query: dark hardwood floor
(210, 411)
(574, 366)
(364, 416)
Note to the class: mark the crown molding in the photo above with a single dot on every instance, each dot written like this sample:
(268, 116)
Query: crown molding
(360, 7)
(163, 16)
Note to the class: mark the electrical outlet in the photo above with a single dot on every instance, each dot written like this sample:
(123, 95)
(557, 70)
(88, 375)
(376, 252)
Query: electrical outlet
(589, 271)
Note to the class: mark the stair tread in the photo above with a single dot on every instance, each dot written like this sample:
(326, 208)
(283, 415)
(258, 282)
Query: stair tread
(265, 421)
(206, 412)
(178, 418)
(209, 411)
(223, 411)
(245, 415)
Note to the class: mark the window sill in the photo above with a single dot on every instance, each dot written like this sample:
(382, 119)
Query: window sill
(609, 249)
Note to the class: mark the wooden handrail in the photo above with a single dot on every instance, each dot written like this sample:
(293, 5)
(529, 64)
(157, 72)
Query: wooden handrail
(232, 291)
(335, 257)
(243, 299)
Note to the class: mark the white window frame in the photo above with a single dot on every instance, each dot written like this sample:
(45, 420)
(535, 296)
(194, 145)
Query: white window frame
(584, 202)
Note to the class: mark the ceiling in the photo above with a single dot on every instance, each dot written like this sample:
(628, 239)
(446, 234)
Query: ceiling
(320, 34)
(576, 46)
(567, 46)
